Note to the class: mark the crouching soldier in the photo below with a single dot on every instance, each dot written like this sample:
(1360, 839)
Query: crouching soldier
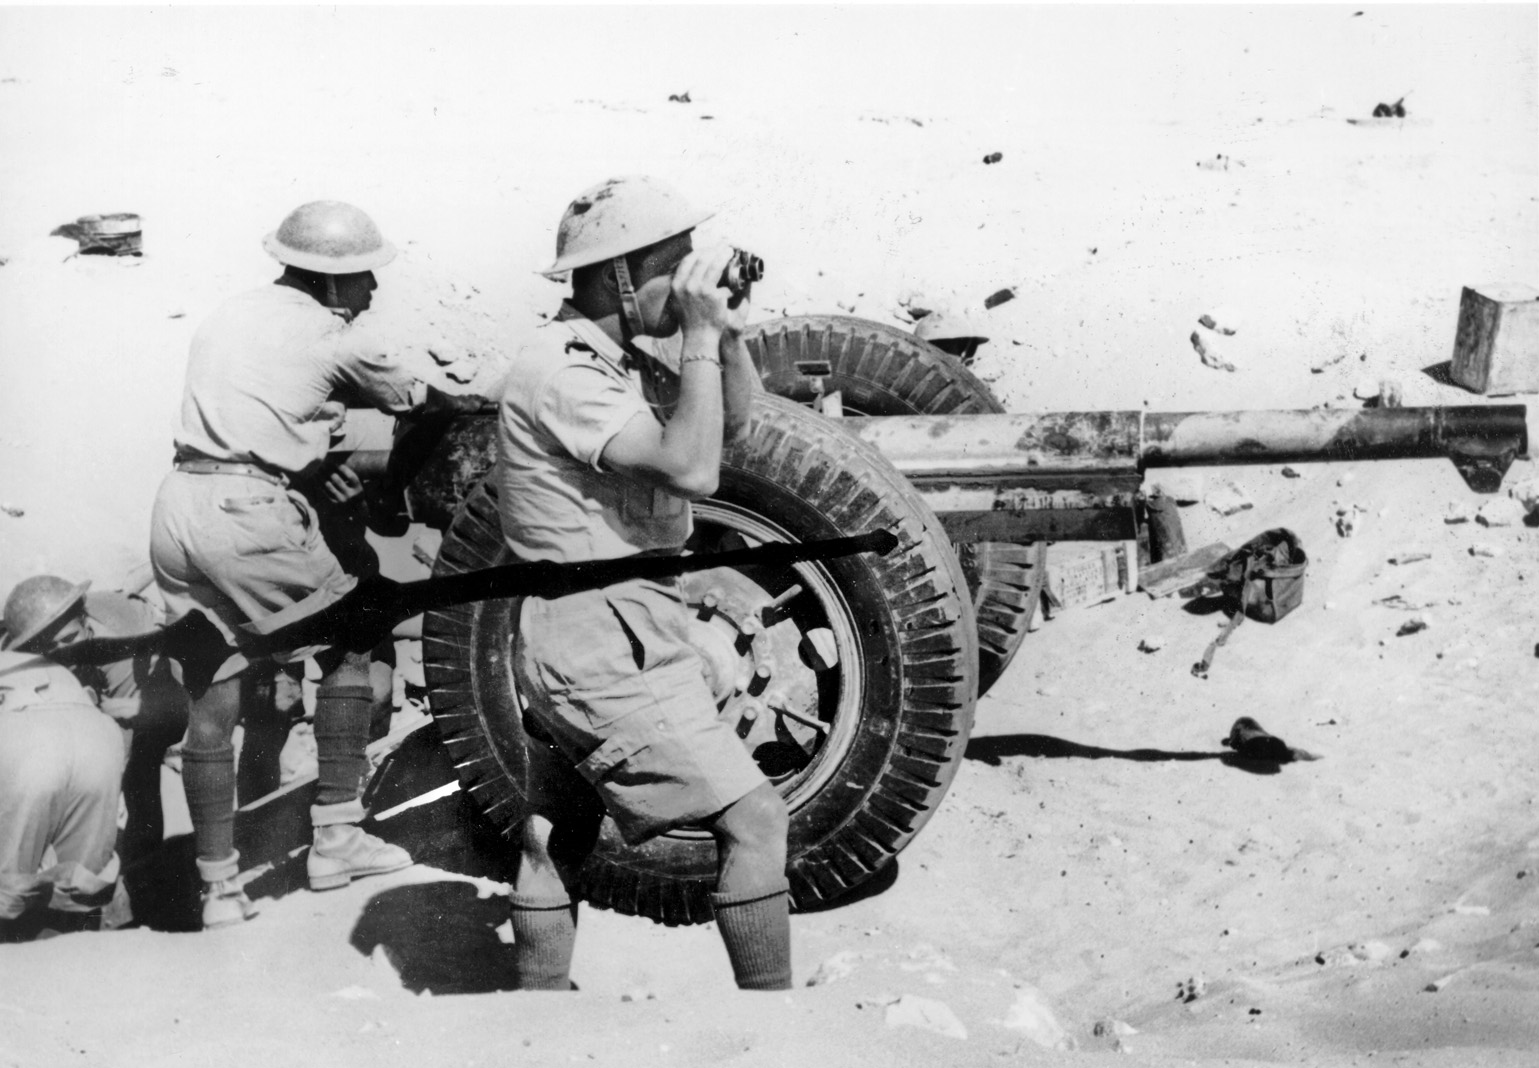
(230, 536)
(591, 469)
(61, 766)
(142, 693)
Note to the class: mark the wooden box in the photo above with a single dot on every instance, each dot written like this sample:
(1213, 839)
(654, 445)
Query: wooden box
(1497, 347)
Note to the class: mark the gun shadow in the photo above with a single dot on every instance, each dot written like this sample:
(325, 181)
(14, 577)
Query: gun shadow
(995, 748)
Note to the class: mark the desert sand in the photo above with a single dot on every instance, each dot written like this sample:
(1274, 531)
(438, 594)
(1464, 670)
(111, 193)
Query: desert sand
(1100, 882)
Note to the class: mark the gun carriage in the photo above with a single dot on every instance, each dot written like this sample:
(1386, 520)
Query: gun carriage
(853, 680)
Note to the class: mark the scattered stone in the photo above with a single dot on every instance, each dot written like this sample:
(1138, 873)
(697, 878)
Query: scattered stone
(1414, 625)
(13, 511)
(1349, 520)
(1319, 366)
(1225, 321)
(1288, 472)
(993, 157)
(1345, 479)
(1031, 1016)
(1390, 111)
(998, 297)
(1151, 643)
(1486, 550)
(1108, 1028)
(1501, 512)
(1228, 499)
(840, 966)
(1339, 957)
(1409, 556)
(1438, 984)
(1459, 512)
(1219, 162)
(911, 1010)
(1526, 492)
(1189, 990)
(1211, 357)
(1403, 603)
(679, 98)
(642, 994)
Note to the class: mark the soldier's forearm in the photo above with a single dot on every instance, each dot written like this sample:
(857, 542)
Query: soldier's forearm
(739, 382)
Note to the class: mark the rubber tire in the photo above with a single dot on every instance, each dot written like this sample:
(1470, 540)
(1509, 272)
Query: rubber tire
(918, 641)
(881, 370)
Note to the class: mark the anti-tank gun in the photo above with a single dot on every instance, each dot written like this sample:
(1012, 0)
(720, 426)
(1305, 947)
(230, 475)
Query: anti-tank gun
(853, 680)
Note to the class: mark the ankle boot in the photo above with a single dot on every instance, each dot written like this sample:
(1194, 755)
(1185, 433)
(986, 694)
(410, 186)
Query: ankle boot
(343, 851)
(224, 902)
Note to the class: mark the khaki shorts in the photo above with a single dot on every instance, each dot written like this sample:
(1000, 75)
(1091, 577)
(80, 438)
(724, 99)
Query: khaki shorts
(611, 677)
(242, 549)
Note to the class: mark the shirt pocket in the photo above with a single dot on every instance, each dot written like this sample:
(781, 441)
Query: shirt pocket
(641, 504)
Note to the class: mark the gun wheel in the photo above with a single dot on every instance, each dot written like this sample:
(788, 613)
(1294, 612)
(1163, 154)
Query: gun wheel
(880, 370)
(851, 681)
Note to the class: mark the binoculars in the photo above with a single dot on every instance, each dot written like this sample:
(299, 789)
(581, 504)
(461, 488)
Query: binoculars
(742, 268)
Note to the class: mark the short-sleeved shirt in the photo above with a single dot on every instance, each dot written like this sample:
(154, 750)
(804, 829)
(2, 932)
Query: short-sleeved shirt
(567, 394)
(266, 371)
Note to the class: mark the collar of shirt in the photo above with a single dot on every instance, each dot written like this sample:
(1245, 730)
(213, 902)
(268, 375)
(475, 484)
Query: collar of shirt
(622, 357)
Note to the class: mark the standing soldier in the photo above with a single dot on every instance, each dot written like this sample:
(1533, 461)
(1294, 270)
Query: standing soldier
(230, 536)
(592, 469)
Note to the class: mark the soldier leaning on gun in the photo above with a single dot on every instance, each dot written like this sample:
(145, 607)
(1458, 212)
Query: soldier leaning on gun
(62, 764)
(230, 537)
(591, 468)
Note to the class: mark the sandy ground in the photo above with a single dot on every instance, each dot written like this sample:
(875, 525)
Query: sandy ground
(1099, 881)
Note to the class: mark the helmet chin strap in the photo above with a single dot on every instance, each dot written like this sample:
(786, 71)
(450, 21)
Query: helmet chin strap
(331, 299)
(629, 305)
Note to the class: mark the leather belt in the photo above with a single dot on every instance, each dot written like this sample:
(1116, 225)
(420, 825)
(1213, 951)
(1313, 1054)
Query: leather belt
(223, 467)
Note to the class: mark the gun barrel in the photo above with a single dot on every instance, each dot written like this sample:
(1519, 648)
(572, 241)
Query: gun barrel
(1173, 439)
(934, 448)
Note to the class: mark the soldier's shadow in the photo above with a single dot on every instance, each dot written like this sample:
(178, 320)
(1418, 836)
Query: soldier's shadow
(440, 937)
(995, 748)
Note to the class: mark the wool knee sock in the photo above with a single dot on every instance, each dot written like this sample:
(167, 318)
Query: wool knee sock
(755, 925)
(341, 731)
(208, 779)
(544, 933)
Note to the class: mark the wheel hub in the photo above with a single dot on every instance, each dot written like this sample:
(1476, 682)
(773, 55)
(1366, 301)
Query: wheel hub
(764, 654)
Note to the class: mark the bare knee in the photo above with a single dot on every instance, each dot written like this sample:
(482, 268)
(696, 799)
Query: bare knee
(758, 819)
(342, 668)
(211, 719)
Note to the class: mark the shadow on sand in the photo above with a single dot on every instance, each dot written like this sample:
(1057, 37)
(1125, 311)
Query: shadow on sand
(440, 937)
(994, 749)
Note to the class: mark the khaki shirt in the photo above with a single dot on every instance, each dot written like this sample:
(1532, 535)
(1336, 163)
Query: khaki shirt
(567, 394)
(268, 375)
